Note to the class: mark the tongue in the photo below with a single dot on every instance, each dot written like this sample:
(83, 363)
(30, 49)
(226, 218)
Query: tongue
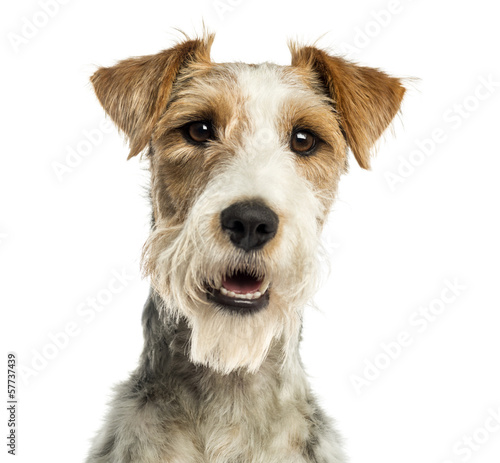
(241, 283)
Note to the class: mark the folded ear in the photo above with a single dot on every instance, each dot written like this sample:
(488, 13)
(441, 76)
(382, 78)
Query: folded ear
(135, 92)
(366, 99)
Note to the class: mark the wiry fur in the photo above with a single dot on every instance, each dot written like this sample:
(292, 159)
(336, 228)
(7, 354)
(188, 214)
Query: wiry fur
(213, 385)
(366, 98)
(171, 410)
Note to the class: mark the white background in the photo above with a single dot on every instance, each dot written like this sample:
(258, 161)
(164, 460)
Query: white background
(392, 249)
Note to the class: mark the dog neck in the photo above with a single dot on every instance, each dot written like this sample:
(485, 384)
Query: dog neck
(165, 366)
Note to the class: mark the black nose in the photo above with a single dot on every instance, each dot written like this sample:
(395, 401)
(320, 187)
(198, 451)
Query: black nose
(249, 224)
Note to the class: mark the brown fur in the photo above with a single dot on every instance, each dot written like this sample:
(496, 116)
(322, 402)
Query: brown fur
(135, 91)
(367, 99)
(179, 170)
(323, 169)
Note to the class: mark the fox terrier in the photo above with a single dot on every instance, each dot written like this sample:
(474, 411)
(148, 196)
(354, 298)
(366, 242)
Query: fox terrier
(245, 160)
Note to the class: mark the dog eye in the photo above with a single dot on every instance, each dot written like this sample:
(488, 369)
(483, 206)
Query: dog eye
(303, 142)
(198, 132)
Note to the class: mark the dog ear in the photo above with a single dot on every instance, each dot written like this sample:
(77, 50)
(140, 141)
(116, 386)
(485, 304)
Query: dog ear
(135, 92)
(366, 99)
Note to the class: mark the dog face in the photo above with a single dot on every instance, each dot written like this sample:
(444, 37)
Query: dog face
(245, 162)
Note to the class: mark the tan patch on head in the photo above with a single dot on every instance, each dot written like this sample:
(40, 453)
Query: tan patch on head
(135, 91)
(315, 113)
(180, 169)
(366, 99)
(202, 91)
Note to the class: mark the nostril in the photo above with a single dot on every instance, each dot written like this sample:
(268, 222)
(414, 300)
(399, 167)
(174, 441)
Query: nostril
(263, 229)
(235, 226)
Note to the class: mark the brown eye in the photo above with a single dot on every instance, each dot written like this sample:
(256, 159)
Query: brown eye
(303, 142)
(198, 132)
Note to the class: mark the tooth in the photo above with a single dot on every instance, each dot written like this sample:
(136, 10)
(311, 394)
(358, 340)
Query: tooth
(249, 296)
(264, 286)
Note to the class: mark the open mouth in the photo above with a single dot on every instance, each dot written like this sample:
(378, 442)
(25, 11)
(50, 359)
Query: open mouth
(241, 293)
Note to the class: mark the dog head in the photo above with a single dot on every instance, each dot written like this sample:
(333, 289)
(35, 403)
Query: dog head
(245, 162)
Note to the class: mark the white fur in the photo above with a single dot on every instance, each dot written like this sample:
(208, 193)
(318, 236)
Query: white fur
(263, 168)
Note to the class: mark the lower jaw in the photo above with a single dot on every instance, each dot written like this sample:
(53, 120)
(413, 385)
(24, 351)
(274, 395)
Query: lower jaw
(238, 306)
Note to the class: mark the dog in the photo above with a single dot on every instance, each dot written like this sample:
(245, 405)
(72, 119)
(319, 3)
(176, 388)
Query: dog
(245, 160)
